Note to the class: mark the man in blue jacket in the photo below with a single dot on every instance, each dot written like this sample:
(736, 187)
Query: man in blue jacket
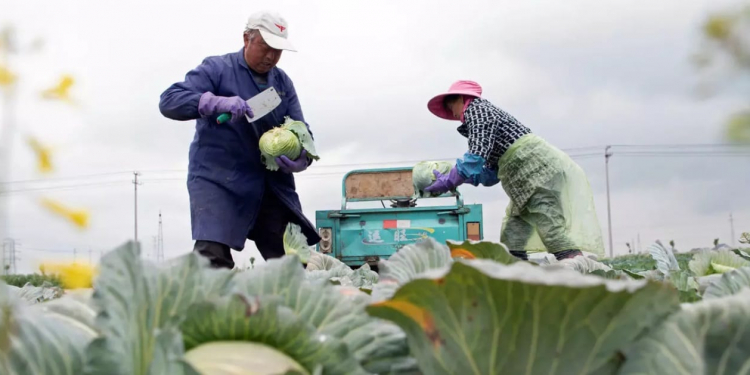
(233, 196)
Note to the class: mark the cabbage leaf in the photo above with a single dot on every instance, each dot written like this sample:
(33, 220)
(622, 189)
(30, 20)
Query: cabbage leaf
(709, 262)
(407, 263)
(480, 317)
(707, 337)
(730, 283)
(36, 341)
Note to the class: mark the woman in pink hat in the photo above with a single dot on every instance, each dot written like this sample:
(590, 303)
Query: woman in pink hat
(551, 205)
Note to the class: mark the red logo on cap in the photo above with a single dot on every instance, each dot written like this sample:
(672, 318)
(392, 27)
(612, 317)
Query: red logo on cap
(281, 28)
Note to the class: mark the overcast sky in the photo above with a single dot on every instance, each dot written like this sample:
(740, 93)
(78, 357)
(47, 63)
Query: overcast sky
(578, 73)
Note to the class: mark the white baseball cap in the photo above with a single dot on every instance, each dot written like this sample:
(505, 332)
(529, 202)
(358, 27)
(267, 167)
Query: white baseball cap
(273, 28)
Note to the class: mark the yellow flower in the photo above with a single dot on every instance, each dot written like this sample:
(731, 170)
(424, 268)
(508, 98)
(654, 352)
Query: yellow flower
(61, 91)
(43, 155)
(718, 27)
(73, 275)
(738, 129)
(78, 217)
(7, 77)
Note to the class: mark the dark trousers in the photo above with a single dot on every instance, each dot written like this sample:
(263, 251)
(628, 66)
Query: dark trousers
(267, 233)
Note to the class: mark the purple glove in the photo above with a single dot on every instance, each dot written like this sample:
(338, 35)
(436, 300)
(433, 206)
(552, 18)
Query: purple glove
(296, 166)
(209, 105)
(445, 182)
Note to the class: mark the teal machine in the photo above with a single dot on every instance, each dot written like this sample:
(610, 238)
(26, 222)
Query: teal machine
(366, 235)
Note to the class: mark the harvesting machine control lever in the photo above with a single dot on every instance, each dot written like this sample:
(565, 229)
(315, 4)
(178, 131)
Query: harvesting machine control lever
(400, 203)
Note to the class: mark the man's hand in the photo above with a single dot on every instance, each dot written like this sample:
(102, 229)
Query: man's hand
(288, 166)
(209, 105)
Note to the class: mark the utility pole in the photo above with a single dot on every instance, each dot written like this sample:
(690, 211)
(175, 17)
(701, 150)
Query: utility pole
(160, 242)
(6, 256)
(731, 228)
(9, 46)
(13, 258)
(155, 249)
(135, 193)
(75, 255)
(639, 243)
(607, 155)
(90, 256)
(7, 127)
(9, 256)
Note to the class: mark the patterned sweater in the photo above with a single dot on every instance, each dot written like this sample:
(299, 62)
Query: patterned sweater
(490, 131)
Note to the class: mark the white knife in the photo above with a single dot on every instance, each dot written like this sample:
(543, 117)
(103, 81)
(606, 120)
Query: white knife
(261, 104)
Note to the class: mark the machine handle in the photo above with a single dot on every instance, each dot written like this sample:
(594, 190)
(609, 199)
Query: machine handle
(341, 216)
(460, 211)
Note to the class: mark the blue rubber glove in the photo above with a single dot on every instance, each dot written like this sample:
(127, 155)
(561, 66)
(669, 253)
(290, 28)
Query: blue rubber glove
(475, 167)
(210, 105)
(445, 182)
(293, 166)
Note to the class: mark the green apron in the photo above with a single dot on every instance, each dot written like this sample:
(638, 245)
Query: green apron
(551, 204)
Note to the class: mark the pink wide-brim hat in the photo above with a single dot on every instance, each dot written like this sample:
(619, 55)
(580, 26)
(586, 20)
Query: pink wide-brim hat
(467, 88)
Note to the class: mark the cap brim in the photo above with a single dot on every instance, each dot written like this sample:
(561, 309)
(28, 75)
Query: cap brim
(276, 42)
(435, 105)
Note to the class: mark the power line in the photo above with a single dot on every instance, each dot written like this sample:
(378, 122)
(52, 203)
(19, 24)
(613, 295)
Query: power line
(80, 177)
(684, 145)
(589, 155)
(571, 151)
(673, 150)
(313, 174)
(64, 187)
(325, 174)
(578, 149)
(35, 249)
(683, 153)
(661, 228)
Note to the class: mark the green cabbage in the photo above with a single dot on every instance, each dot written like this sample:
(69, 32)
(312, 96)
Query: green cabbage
(466, 308)
(710, 262)
(289, 140)
(324, 267)
(241, 358)
(279, 141)
(422, 176)
(295, 243)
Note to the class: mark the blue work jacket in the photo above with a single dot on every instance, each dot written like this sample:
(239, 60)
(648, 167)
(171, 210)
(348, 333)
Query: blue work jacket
(226, 178)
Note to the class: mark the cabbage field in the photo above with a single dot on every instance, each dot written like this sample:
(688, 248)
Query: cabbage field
(455, 308)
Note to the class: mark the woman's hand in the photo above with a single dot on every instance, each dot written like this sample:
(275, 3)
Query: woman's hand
(445, 182)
